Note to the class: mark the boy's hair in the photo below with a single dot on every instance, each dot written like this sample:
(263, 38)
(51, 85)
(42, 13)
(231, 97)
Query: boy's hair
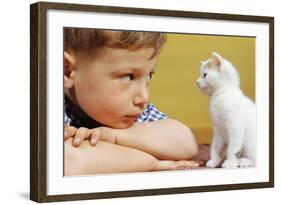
(91, 41)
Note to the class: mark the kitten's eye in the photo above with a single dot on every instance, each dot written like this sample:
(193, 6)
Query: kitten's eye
(204, 75)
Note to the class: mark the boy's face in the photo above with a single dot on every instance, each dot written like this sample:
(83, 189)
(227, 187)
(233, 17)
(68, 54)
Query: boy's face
(113, 88)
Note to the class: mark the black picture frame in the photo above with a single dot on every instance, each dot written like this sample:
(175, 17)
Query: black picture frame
(38, 100)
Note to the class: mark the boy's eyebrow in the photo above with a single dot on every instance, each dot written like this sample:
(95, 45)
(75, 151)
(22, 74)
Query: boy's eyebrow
(134, 68)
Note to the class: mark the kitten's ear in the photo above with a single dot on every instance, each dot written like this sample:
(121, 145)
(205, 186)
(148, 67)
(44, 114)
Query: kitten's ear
(217, 60)
(203, 63)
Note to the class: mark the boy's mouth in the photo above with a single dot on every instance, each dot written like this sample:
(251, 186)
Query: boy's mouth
(132, 117)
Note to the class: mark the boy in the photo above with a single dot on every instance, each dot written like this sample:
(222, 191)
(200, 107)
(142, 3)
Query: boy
(106, 87)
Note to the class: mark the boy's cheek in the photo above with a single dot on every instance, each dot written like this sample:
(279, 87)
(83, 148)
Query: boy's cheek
(118, 103)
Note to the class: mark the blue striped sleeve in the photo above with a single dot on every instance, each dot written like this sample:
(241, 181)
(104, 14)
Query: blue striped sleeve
(151, 114)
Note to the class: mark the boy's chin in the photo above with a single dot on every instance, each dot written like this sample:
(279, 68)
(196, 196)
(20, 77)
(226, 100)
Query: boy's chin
(122, 125)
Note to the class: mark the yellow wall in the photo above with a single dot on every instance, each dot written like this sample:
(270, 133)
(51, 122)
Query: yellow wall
(173, 88)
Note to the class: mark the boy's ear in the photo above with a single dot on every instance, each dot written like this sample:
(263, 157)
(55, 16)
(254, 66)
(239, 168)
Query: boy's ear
(69, 67)
(217, 60)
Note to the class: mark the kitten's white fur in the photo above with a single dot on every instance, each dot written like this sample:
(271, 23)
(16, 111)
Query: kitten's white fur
(233, 115)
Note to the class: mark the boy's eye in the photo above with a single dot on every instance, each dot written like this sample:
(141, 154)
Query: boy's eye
(128, 77)
(204, 75)
(149, 77)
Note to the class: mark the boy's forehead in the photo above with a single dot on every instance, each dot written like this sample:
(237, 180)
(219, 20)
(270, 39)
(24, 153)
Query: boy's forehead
(135, 66)
(124, 58)
(146, 53)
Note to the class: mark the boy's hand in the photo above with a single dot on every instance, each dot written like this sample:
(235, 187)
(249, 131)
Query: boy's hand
(185, 164)
(69, 131)
(96, 134)
(175, 165)
(103, 133)
(78, 134)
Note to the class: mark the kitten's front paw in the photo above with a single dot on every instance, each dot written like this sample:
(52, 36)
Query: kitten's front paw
(230, 163)
(213, 163)
(245, 162)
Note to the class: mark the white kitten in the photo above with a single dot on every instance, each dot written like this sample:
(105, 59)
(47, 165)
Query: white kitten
(233, 115)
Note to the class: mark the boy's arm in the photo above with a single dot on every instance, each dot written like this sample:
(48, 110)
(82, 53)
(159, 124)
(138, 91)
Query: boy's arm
(104, 158)
(111, 158)
(165, 139)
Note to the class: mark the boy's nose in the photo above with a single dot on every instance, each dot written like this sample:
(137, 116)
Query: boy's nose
(142, 97)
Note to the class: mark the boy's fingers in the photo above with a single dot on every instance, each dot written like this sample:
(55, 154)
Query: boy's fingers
(185, 164)
(192, 164)
(81, 134)
(69, 131)
(95, 136)
(94, 140)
